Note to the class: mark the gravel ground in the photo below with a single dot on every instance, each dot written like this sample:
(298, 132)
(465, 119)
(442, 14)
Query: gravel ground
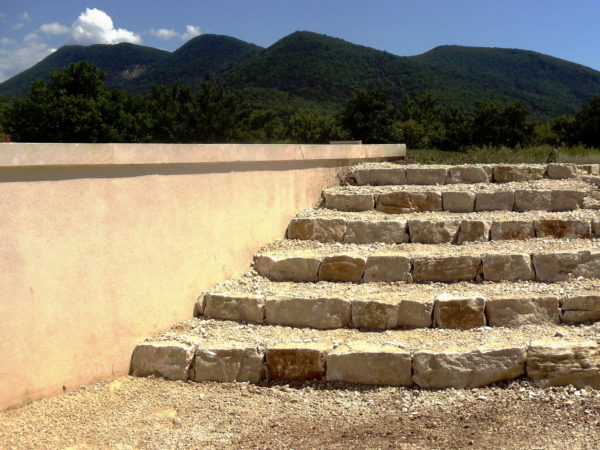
(151, 413)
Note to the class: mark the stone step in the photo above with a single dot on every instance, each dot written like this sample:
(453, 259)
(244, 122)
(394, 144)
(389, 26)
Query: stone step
(380, 174)
(396, 306)
(550, 355)
(441, 227)
(535, 259)
(541, 195)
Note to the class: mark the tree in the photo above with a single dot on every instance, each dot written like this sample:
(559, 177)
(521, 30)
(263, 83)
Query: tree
(314, 128)
(586, 125)
(368, 116)
(497, 124)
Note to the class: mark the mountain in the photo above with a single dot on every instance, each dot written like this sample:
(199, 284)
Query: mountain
(309, 70)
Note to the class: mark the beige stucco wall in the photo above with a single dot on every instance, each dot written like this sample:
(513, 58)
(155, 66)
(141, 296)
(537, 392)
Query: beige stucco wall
(103, 245)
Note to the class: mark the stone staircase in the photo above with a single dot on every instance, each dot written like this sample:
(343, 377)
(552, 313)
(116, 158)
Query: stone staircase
(435, 276)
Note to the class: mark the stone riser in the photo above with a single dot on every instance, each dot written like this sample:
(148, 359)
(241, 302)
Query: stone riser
(438, 231)
(464, 312)
(467, 174)
(408, 201)
(547, 363)
(543, 267)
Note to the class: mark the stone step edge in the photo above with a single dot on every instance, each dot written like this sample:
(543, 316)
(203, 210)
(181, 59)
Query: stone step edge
(547, 363)
(407, 201)
(438, 231)
(546, 267)
(442, 311)
(466, 173)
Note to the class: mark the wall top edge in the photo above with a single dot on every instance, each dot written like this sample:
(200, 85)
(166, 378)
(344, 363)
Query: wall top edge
(60, 154)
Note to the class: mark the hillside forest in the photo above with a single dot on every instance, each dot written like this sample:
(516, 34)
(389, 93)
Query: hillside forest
(75, 105)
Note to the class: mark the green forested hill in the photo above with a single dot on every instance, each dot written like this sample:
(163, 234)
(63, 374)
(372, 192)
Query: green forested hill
(309, 70)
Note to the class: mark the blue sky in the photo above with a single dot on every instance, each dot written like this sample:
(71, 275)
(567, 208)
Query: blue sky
(568, 29)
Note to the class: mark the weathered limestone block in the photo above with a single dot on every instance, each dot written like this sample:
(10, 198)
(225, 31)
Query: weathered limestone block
(247, 308)
(512, 229)
(581, 308)
(445, 269)
(563, 228)
(374, 314)
(460, 202)
(522, 310)
(533, 200)
(473, 231)
(415, 313)
(387, 268)
(365, 232)
(227, 363)
(589, 169)
(562, 171)
(560, 363)
(365, 363)
(408, 202)
(469, 174)
(433, 231)
(495, 201)
(317, 229)
(168, 359)
(560, 266)
(460, 312)
(296, 361)
(342, 268)
(567, 200)
(288, 268)
(380, 177)
(596, 228)
(322, 313)
(511, 267)
(349, 201)
(467, 368)
(508, 173)
(425, 175)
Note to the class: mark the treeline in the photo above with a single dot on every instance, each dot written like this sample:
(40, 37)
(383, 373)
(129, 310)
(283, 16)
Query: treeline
(76, 106)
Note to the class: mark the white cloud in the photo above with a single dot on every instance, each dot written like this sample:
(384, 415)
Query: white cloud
(2, 15)
(94, 26)
(13, 61)
(30, 37)
(17, 26)
(163, 33)
(190, 32)
(25, 17)
(6, 41)
(54, 29)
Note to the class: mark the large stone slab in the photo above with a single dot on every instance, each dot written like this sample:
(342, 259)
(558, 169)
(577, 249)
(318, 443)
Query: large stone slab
(467, 368)
(433, 231)
(296, 361)
(342, 268)
(409, 202)
(516, 311)
(469, 174)
(507, 267)
(227, 363)
(387, 268)
(512, 229)
(288, 268)
(567, 200)
(561, 266)
(415, 312)
(563, 228)
(588, 169)
(459, 312)
(366, 232)
(505, 173)
(560, 363)
(459, 202)
(445, 269)
(426, 175)
(380, 177)
(349, 201)
(584, 307)
(366, 363)
(495, 201)
(322, 313)
(247, 308)
(374, 314)
(317, 229)
(472, 230)
(167, 359)
(562, 171)
(596, 228)
(533, 200)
